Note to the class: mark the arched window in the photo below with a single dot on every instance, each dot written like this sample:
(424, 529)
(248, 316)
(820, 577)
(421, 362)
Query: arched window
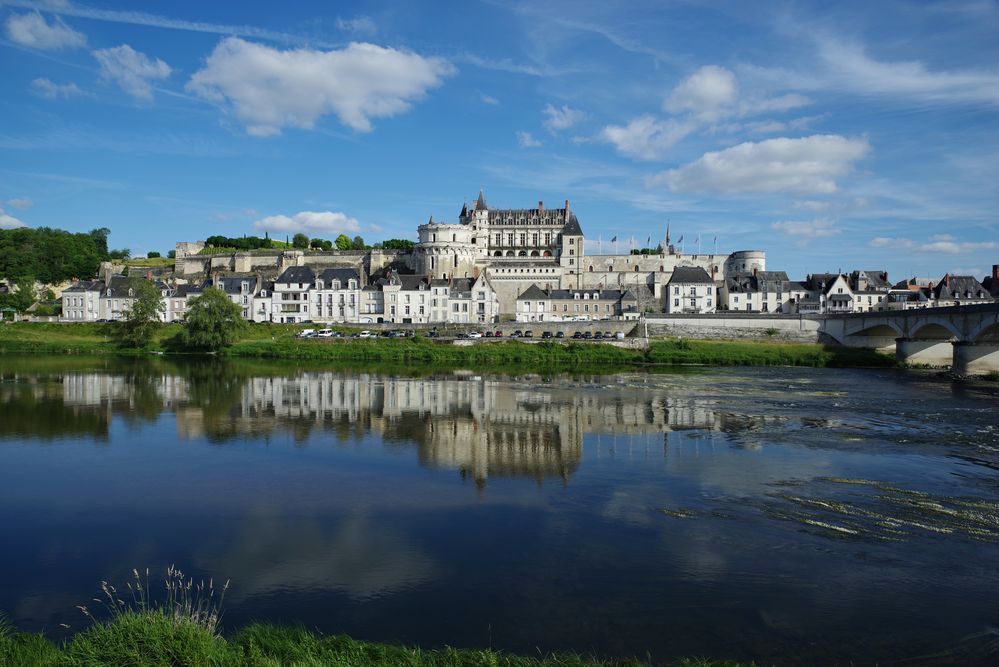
(498, 253)
(636, 268)
(535, 253)
(522, 253)
(509, 253)
(591, 268)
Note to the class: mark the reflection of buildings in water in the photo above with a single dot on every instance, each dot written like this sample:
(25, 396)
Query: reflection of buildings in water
(482, 427)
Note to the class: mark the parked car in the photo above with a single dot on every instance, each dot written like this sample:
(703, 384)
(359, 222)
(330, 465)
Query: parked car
(588, 335)
(473, 334)
(306, 333)
(517, 334)
(365, 334)
(546, 334)
(577, 335)
(597, 335)
(528, 334)
(432, 333)
(488, 334)
(619, 335)
(499, 334)
(560, 334)
(325, 333)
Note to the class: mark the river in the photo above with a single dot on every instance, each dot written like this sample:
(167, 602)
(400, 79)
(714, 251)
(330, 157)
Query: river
(783, 515)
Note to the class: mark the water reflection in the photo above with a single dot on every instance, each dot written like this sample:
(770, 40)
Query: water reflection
(470, 423)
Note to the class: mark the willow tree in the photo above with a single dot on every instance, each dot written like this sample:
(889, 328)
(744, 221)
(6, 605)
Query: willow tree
(212, 321)
(143, 319)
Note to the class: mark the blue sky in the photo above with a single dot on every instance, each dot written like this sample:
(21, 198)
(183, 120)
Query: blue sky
(833, 135)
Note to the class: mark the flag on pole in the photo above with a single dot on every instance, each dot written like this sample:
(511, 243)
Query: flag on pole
(614, 240)
(648, 241)
(680, 239)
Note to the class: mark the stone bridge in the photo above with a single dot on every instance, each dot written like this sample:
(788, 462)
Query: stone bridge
(965, 338)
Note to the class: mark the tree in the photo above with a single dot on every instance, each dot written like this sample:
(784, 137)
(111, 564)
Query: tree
(398, 244)
(316, 244)
(213, 321)
(143, 317)
(300, 240)
(358, 244)
(172, 254)
(21, 296)
(152, 254)
(122, 253)
(342, 242)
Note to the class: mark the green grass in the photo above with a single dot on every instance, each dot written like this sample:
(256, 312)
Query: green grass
(150, 262)
(278, 341)
(152, 638)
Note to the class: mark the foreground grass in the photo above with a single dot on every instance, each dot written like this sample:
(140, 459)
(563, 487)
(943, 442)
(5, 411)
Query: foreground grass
(278, 341)
(151, 638)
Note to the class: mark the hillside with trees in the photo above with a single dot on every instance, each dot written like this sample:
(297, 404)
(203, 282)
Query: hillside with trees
(51, 255)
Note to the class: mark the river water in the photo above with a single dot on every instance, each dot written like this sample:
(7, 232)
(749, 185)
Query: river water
(781, 515)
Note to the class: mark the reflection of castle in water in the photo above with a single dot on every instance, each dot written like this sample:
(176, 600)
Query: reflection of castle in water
(481, 426)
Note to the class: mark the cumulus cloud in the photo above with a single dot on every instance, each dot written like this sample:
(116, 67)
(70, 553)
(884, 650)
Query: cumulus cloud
(32, 30)
(488, 99)
(310, 222)
(817, 228)
(561, 118)
(937, 244)
(809, 165)
(646, 137)
(51, 90)
(526, 140)
(20, 203)
(704, 92)
(358, 24)
(132, 70)
(268, 89)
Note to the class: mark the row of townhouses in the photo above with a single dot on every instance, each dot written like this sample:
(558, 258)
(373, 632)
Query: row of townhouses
(692, 290)
(299, 294)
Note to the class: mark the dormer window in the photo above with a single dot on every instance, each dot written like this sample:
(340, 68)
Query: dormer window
(335, 284)
(353, 284)
(319, 284)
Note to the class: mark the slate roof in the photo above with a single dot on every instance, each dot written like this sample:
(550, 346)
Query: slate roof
(572, 227)
(297, 274)
(480, 203)
(79, 286)
(120, 285)
(960, 287)
(410, 282)
(690, 275)
(462, 285)
(344, 275)
(877, 281)
(533, 292)
(234, 284)
(183, 291)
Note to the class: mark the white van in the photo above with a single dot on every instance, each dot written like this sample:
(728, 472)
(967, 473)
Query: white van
(325, 333)
(307, 333)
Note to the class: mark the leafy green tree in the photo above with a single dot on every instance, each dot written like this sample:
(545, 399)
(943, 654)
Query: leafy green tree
(172, 254)
(358, 244)
(51, 255)
(152, 254)
(397, 244)
(342, 242)
(300, 240)
(212, 321)
(21, 296)
(316, 244)
(143, 317)
(121, 253)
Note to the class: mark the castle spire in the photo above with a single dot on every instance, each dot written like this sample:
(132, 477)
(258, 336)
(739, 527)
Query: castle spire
(480, 203)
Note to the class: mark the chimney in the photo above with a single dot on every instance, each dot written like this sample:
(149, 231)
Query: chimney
(75, 280)
(541, 206)
(995, 271)
(567, 207)
(947, 279)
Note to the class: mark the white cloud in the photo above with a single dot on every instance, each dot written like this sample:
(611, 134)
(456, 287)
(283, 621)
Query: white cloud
(938, 244)
(850, 68)
(646, 137)
(9, 221)
(269, 89)
(808, 165)
(811, 205)
(32, 30)
(488, 99)
(20, 203)
(327, 222)
(132, 70)
(818, 228)
(704, 92)
(561, 118)
(358, 24)
(51, 90)
(964, 271)
(526, 140)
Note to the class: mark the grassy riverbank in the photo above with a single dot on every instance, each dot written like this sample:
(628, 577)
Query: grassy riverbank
(279, 342)
(151, 638)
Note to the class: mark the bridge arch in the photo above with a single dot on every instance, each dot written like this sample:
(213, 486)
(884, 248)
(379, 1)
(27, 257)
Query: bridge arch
(988, 332)
(885, 329)
(940, 329)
